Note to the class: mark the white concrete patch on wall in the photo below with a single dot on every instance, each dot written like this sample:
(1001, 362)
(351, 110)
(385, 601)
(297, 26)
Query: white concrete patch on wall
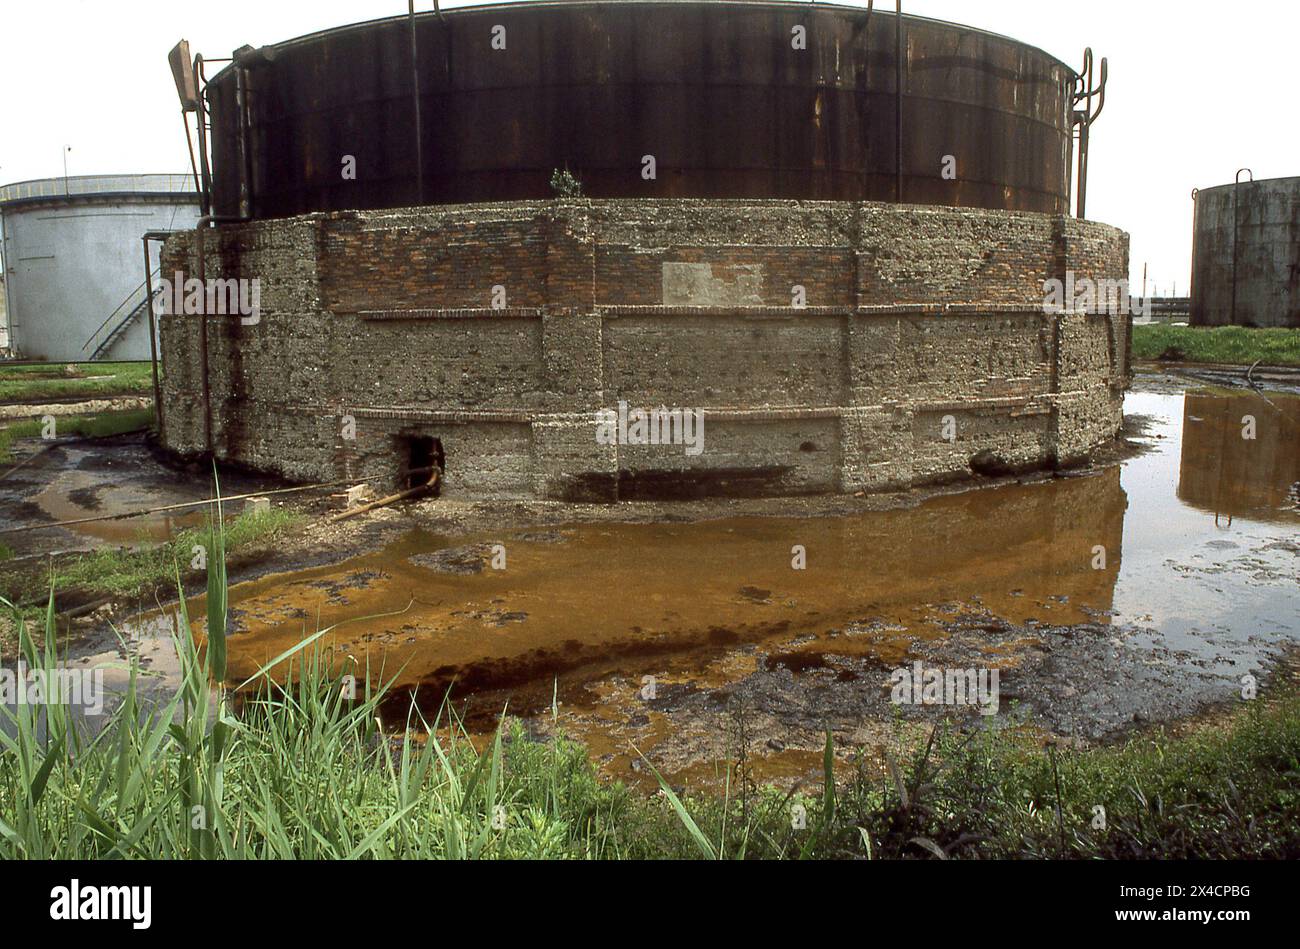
(712, 285)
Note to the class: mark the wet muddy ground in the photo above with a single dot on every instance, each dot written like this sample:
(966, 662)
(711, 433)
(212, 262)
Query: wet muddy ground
(86, 479)
(1129, 594)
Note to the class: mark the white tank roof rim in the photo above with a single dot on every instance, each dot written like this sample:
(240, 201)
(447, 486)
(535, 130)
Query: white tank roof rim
(99, 186)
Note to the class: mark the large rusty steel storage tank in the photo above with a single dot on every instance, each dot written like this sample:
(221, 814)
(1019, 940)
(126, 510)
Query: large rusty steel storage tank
(1246, 254)
(707, 88)
(849, 308)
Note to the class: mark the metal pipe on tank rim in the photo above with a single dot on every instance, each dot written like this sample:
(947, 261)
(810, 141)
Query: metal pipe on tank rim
(415, 100)
(1086, 134)
(189, 143)
(898, 101)
(1081, 212)
(205, 194)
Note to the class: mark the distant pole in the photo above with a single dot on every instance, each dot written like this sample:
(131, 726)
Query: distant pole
(1144, 281)
(66, 149)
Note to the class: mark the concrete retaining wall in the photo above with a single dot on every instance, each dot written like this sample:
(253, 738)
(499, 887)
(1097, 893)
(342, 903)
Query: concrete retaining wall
(914, 323)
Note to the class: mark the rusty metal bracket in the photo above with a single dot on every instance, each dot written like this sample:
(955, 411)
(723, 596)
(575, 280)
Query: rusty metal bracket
(1086, 89)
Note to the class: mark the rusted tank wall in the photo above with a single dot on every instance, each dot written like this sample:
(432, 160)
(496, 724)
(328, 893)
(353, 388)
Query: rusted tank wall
(1246, 255)
(714, 90)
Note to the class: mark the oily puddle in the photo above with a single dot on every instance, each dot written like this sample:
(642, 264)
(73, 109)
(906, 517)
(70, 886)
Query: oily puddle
(589, 594)
(689, 639)
(75, 495)
(86, 482)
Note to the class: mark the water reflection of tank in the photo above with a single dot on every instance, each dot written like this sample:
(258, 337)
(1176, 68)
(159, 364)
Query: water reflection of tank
(1008, 548)
(1226, 474)
(1246, 254)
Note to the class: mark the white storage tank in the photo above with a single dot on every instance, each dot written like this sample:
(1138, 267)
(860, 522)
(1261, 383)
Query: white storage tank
(74, 263)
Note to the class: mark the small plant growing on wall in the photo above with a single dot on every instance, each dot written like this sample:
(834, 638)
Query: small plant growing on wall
(564, 185)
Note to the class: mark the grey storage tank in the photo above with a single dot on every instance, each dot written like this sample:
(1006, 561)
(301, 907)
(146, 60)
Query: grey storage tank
(1246, 254)
(73, 264)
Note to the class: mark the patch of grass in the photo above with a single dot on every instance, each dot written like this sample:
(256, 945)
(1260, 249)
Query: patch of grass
(1236, 345)
(88, 426)
(297, 770)
(136, 573)
(1218, 793)
(45, 381)
(139, 573)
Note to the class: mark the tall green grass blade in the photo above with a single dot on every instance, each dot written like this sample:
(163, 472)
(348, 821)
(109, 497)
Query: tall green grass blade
(43, 773)
(217, 590)
(701, 841)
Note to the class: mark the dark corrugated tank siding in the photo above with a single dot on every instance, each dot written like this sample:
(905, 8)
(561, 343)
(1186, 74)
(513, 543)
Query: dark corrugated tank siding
(712, 89)
(1246, 254)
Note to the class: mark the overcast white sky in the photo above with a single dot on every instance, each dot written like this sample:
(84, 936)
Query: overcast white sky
(1197, 90)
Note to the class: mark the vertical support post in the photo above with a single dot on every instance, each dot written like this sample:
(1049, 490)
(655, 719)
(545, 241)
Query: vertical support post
(153, 339)
(200, 250)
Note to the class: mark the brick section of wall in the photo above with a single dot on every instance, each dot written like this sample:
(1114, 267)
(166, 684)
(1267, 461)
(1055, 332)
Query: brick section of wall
(502, 329)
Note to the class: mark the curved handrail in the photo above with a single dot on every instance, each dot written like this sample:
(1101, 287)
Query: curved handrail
(129, 297)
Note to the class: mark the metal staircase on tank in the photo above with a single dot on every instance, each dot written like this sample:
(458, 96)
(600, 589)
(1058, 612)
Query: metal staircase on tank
(113, 328)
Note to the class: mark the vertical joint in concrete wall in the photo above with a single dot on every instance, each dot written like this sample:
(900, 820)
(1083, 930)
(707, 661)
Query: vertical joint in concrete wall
(570, 257)
(572, 348)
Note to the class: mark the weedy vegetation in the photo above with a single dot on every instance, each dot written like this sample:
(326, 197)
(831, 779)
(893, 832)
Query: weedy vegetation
(83, 426)
(93, 380)
(1234, 345)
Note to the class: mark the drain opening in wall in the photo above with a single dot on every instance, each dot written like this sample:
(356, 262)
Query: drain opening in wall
(422, 454)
